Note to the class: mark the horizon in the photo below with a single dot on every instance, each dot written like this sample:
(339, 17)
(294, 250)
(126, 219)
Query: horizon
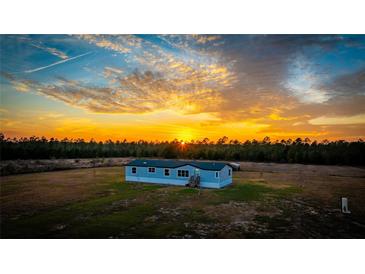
(227, 141)
(184, 87)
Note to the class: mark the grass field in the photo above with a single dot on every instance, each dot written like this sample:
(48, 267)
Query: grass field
(265, 201)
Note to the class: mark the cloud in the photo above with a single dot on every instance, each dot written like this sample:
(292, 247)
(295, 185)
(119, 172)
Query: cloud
(119, 43)
(21, 85)
(148, 56)
(53, 51)
(3, 110)
(134, 93)
(162, 73)
(203, 39)
(348, 84)
(196, 44)
(339, 120)
(30, 41)
(112, 73)
(56, 63)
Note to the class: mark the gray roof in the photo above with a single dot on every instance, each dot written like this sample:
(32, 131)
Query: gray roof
(177, 163)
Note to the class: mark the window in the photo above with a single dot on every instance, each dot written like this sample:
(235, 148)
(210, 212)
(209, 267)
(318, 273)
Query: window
(183, 173)
(216, 174)
(229, 172)
(134, 170)
(167, 172)
(151, 170)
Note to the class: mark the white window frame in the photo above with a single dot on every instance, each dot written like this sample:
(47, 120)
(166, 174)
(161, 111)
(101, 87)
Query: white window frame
(164, 172)
(216, 175)
(154, 170)
(187, 173)
(133, 167)
(183, 172)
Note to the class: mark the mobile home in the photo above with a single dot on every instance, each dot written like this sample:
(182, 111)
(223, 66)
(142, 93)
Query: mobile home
(176, 172)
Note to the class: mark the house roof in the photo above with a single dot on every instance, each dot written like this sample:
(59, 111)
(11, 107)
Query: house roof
(177, 163)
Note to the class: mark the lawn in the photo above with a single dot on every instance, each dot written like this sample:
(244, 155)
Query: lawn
(98, 203)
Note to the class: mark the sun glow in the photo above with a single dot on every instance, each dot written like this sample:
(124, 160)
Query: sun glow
(185, 134)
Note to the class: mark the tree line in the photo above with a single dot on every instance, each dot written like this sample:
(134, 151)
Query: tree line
(285, 151)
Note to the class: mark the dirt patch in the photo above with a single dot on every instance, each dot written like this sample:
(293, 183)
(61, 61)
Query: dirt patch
(240, 217)
(240, 212)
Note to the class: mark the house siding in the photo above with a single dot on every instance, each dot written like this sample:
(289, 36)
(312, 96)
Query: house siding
(225, 178)
(207, 177)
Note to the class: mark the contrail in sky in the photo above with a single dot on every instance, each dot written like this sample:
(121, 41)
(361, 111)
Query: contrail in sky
(57, 63)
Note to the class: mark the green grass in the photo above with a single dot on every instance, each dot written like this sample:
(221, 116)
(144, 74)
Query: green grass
(118, 209)
(242, 192)
(110, 224)
(246, 191)
(95, 209)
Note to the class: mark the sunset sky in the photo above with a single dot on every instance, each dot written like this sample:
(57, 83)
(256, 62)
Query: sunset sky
(162, 87)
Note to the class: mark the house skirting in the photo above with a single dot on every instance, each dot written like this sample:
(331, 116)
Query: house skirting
(225, 182)
(176, 182)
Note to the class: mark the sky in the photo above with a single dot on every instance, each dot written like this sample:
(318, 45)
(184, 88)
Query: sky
(165, 87)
